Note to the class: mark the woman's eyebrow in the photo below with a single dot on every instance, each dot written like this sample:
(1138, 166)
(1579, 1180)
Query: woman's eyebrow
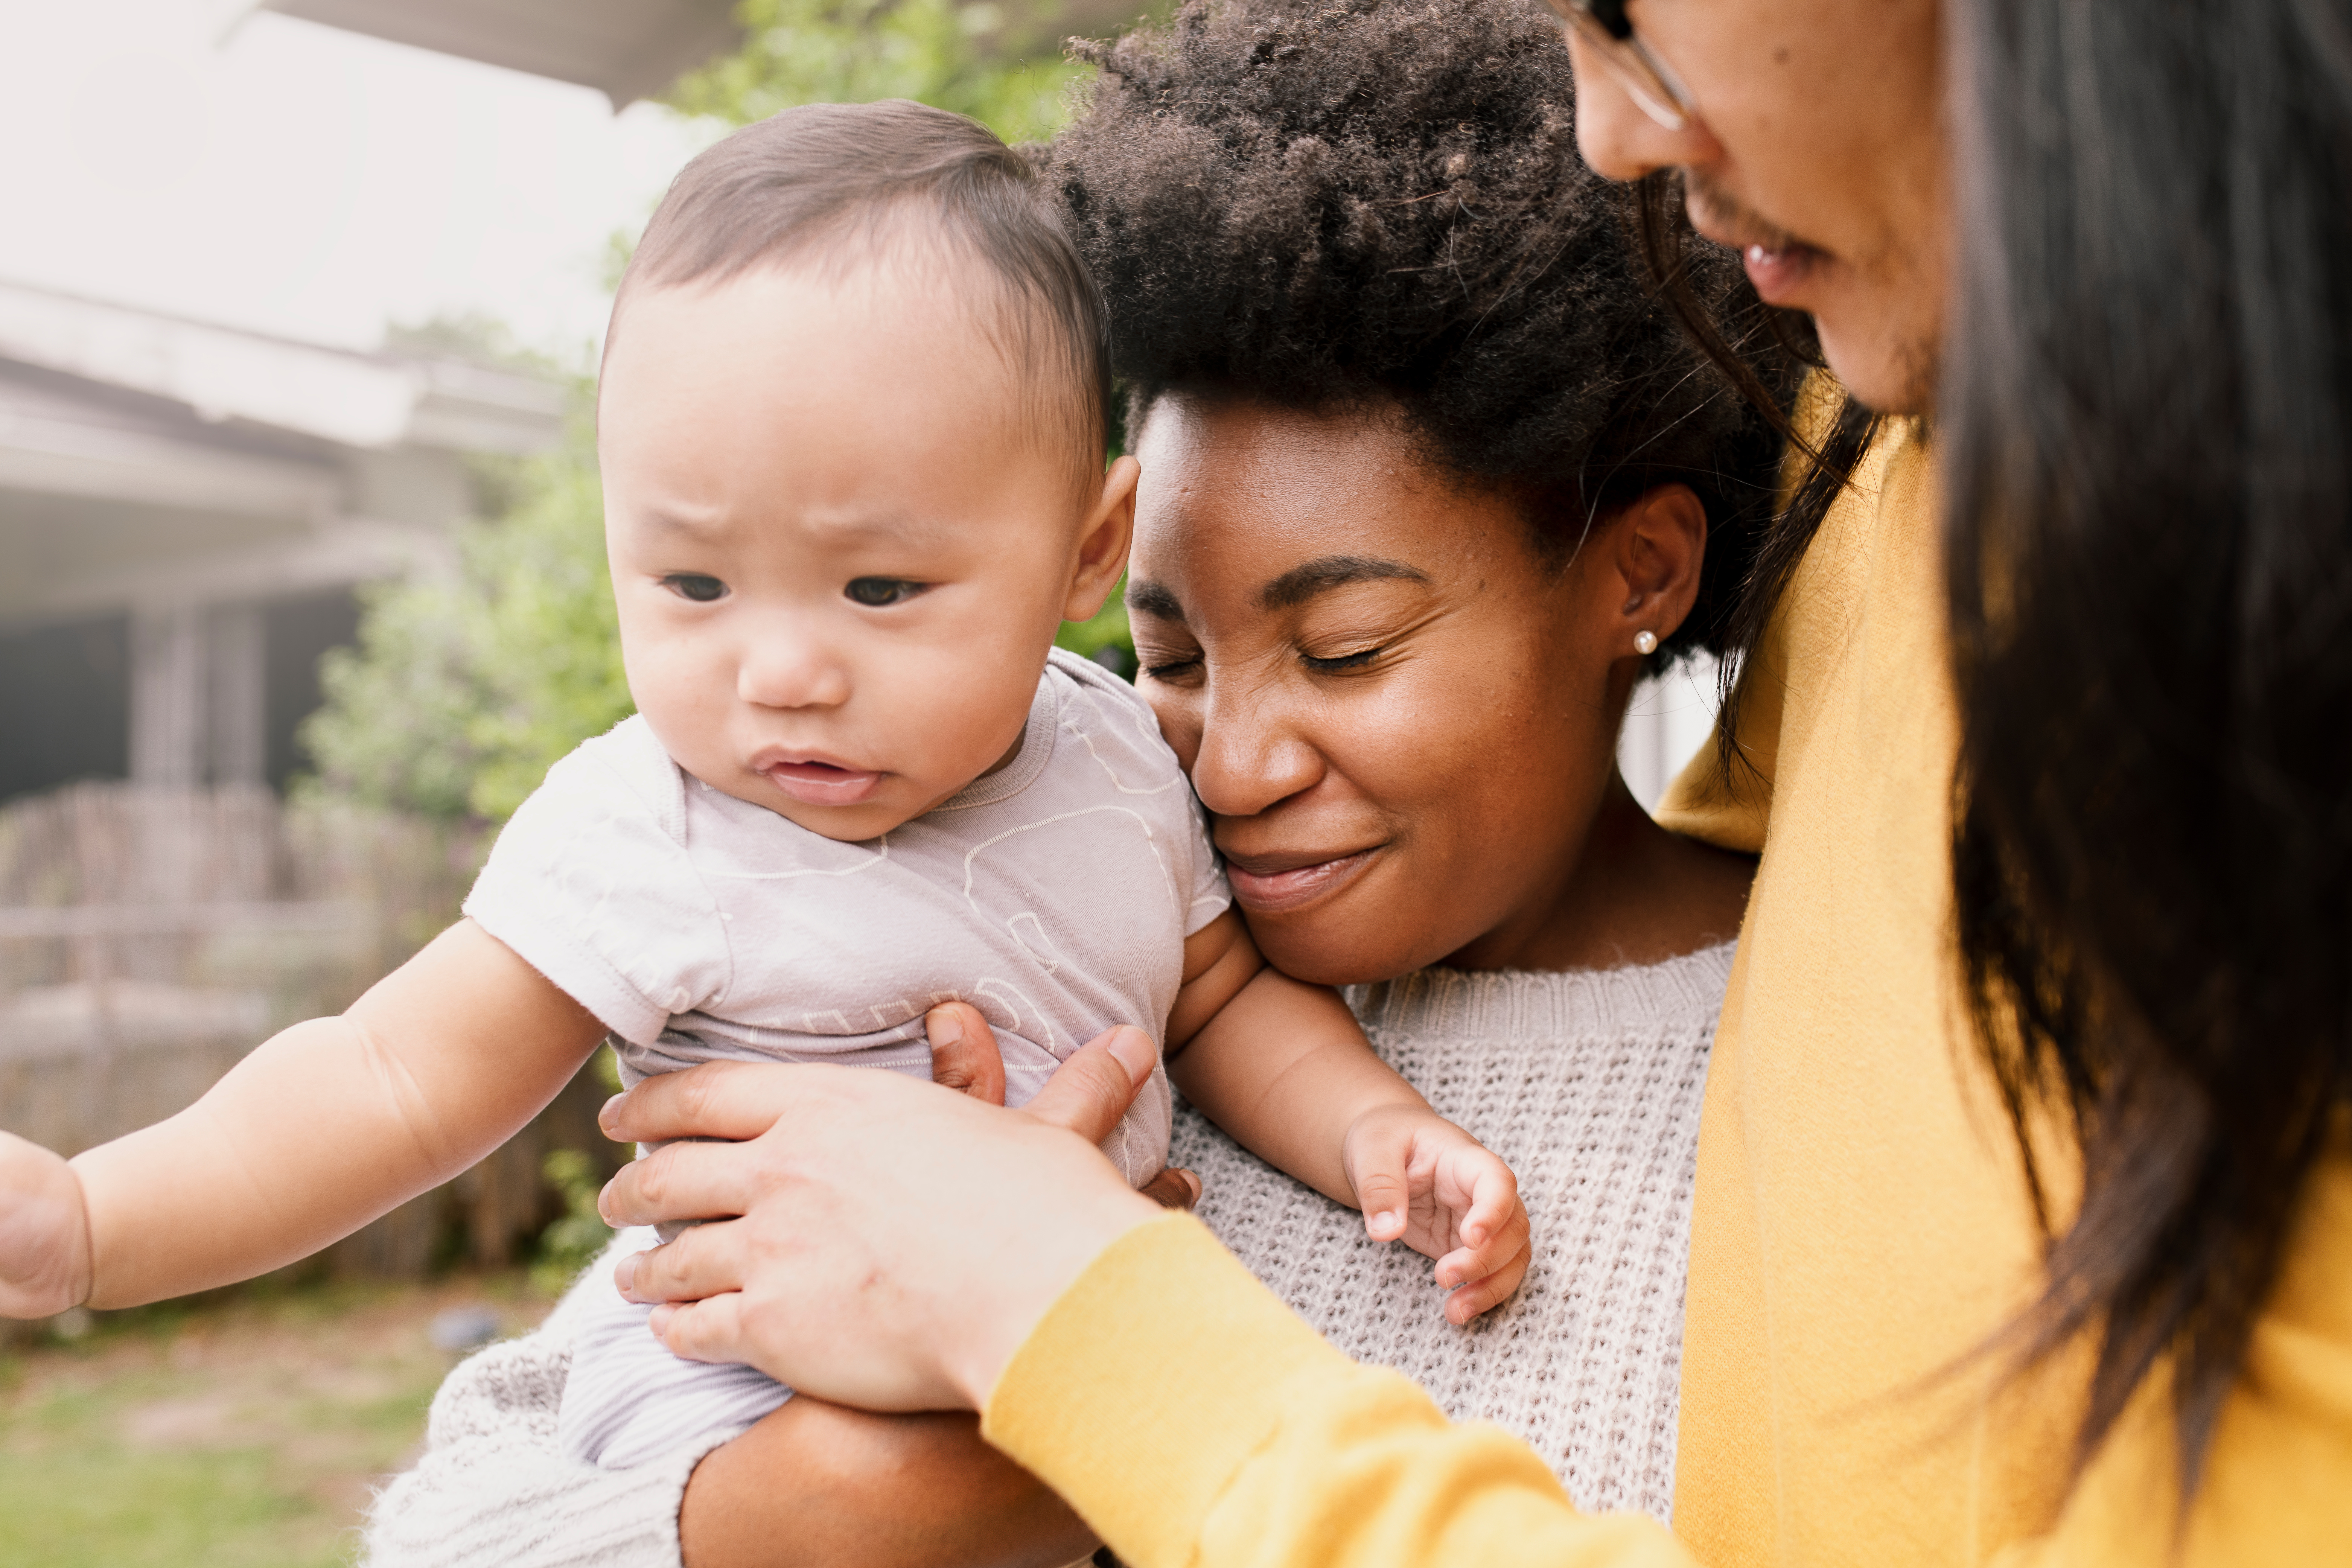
(1155, 599)
(1325, 572)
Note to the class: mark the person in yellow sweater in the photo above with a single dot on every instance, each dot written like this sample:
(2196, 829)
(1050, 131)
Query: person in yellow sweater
(2051, 861)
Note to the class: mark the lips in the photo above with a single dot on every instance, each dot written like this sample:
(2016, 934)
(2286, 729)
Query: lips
(1780, 270)
(815, 780)
(1279, 883)
(1778, 263)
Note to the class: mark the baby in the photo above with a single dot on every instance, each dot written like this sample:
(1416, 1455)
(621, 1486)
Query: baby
(852, 424)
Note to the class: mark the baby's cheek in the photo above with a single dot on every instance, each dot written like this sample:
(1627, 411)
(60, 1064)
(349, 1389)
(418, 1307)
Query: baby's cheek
(967, 719)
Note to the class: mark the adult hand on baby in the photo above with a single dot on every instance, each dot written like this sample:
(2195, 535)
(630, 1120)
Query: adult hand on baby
(44, 1264)
(965, 1057)
(876, 1243)
(1423, 1181)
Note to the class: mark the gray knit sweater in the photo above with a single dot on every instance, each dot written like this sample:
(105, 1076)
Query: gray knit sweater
(1589, 1083)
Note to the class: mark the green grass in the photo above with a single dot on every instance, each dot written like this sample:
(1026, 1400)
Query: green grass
(245, 1433)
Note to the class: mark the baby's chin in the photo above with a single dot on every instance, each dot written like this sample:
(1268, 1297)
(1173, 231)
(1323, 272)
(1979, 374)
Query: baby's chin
(846, 823)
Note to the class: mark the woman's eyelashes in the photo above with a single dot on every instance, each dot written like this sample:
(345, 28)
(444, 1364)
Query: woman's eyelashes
(698, 587)
(1341, 663)
(877, 592)
(1167, 663)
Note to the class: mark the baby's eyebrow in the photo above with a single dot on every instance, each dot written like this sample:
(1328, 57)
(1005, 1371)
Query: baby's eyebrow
(685, 523)
(903, 528)
(1325, 572)
(1155, 599)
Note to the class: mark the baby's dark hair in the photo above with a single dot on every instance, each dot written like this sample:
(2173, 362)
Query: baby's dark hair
(1326, 205)
(834, 185)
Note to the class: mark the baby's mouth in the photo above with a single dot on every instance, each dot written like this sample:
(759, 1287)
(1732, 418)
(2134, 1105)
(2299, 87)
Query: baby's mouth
(814, 782)
(1275, 884)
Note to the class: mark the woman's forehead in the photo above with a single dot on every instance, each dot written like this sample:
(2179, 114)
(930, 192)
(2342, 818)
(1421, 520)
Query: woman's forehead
(1281, 503)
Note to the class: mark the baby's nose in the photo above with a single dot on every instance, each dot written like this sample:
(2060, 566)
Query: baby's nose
(790, 672)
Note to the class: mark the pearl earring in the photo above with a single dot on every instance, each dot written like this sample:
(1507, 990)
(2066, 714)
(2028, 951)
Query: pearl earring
(1645, 642)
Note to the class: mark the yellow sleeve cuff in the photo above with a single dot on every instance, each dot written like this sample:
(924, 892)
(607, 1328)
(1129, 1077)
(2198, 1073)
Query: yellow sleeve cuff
(1151, 1382)
(1196, 1423)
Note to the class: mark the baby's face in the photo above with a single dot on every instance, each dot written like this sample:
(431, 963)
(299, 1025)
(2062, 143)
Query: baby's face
(839, 560)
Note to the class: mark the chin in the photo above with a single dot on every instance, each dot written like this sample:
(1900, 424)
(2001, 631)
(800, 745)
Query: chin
(1881, 369)
(1322, 947)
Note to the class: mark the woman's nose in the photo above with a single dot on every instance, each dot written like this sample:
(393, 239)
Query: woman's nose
(1617, 137)
(1251, 756)
(788, 670)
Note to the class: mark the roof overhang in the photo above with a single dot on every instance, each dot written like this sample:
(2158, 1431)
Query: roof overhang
(374, 401)
(626, 50)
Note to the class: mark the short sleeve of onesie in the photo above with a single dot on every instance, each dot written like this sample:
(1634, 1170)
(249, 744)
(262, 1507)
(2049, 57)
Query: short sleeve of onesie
(1121, 713)
(590, 884)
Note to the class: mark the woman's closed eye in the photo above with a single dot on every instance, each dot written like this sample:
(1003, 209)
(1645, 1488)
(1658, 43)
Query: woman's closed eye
(877, 592)
(1160, 662)
(1341, 663)
(698, 587)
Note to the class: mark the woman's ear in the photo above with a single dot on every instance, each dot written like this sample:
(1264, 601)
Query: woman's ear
(1659, 544)
(1103, 539)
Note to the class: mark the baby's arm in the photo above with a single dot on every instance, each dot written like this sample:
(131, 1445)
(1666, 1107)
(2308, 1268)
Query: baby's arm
(322, 1128)
(1283, 1067)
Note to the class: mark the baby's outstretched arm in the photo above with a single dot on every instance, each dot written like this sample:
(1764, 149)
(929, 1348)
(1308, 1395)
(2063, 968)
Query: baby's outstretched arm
(1284, 1067)
(322, 1128)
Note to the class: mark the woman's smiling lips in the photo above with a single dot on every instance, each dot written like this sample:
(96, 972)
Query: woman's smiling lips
(813, 781)
(1276, 884)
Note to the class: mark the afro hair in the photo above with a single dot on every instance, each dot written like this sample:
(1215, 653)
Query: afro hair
(1334, 204)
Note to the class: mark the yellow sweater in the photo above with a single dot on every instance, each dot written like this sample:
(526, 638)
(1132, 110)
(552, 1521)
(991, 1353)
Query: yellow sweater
(1858, 1225)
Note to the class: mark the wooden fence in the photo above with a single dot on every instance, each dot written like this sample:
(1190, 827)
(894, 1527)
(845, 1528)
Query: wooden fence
(148, 938)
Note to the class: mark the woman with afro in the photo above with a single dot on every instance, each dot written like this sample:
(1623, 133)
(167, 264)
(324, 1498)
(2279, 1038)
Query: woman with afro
(1431, 476)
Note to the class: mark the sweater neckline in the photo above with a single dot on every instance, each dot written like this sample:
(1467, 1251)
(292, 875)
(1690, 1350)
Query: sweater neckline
(1679, 994)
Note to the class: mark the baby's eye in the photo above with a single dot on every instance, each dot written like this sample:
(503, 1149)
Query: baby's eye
(877, 592)
(1171, 667)
(696, 586)
(1339, 664)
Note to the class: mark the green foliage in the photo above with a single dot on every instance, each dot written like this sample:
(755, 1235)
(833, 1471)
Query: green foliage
(572, 1242)
(467, 684)
(966, 58)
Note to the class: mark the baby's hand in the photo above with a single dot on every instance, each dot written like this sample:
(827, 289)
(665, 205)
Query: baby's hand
(44, 1232)
(1423, 1181)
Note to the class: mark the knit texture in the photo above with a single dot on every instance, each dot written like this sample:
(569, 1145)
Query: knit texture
(493, 1489)
(1589, 1084)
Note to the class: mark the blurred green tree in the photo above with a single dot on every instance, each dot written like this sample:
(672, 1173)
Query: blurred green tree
(468, 683)
(1001, 64)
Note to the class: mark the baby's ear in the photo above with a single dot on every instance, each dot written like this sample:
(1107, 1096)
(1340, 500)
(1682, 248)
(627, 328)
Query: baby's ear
(1103, 539)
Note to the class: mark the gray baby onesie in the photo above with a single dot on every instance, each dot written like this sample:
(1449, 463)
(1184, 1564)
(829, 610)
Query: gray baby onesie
(1054, 895)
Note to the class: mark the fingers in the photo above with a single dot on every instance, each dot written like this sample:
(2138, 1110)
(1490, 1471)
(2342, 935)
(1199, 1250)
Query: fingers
(1376, 1155)
(1384, 1192)
(964, 1054)
(717, 1100)
(1480, 1294)
(684, 1180)
(1479, 1259)
(1494, 1198)
(1173, 1189)
(1089, 1092)
(699, 1263)
(709, 1329)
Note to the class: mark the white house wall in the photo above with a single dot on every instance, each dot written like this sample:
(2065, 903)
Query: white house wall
(192, 497)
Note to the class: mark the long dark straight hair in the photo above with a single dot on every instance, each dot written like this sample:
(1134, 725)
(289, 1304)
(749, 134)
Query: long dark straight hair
(2147, 439)
(1826, 457)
